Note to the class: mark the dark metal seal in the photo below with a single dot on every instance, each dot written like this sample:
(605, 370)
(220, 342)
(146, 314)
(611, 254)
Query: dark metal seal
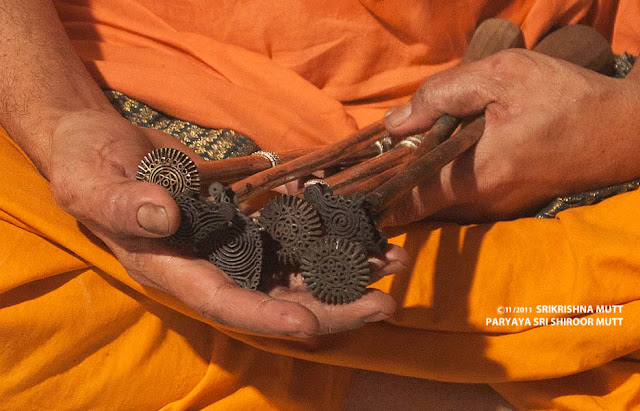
(293, 223)
(335, 270)
(171, 169)
(238, 251)
(346, 217)
(200, 219)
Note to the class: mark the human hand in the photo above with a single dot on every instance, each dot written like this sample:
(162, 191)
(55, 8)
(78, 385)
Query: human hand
(552, 128)
(92, 172)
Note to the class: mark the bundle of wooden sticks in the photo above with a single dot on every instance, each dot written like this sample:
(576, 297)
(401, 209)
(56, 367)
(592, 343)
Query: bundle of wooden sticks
(327, 231)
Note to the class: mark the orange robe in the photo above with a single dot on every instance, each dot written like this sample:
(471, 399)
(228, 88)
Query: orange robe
(76, 330)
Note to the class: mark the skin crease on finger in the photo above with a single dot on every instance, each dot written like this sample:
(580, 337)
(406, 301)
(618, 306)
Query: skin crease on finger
(545, 119)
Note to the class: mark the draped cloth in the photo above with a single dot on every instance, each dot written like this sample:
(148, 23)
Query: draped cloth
(78, 331)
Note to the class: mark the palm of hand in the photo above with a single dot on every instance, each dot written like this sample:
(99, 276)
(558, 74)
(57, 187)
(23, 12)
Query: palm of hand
(92, 176)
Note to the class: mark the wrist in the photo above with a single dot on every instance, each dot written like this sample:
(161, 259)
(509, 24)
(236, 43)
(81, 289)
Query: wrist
(33, 128)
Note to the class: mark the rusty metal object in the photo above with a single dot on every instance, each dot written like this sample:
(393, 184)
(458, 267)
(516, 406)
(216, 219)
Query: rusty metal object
(200, 219)
(346, 217)
(335, 270)
(238, 251)
(171, 169)
(293, 223)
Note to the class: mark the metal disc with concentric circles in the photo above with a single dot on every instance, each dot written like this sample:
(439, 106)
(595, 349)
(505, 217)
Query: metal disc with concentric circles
(335, 270)
(171, 169)
(238, 251)
(199, 219)
(293, 223)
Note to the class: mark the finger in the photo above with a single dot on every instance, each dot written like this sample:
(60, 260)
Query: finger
(394, 260)
(422, 201)
(460, 92)
(130, 208)
(373, 306)
(211, 293)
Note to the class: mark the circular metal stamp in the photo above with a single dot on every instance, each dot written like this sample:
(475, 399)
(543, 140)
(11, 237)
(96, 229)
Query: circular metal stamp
(335, 270)
(293, 223)
(199, 219)
(346, 217)
(238, 251)
(171, 169)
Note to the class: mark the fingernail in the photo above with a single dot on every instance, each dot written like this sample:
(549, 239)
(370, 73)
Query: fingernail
(376, 317)
(153, 219)
(397, 115)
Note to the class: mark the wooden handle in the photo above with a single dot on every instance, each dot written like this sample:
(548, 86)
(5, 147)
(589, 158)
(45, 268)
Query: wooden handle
(321, 158)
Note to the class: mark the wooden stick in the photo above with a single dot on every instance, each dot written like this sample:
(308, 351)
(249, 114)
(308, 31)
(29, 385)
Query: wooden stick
(231, 170)
(425, 167)
(234, 169)
(369, 184)
(305, 165)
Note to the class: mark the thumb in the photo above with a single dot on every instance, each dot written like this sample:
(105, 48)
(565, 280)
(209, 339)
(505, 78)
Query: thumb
(459, 92)
(130, 208)
(93, 170)
(123, 207)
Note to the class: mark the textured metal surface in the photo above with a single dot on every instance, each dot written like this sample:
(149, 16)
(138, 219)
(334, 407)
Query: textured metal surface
(335, 270)
(346, 217)
(200, 219)
(412, 141)
(220, 193)
(293, 223)
(171, 169)
(238, 251)
(624, 64)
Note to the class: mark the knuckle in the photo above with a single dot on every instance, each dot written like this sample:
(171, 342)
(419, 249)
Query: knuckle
(422, 97)
(506, 64)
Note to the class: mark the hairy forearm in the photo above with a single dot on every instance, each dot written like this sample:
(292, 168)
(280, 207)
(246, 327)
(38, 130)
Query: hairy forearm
(41, 77)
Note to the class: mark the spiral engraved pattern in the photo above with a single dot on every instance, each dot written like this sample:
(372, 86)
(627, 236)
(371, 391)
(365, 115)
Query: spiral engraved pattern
(237, 250)
(171, 169)
(200, 219)
(345, 217)
(221, 193)
(335, 270)
(293, 223)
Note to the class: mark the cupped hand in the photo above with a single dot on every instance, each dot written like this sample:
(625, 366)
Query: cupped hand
(92, 172)
(552, 128)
